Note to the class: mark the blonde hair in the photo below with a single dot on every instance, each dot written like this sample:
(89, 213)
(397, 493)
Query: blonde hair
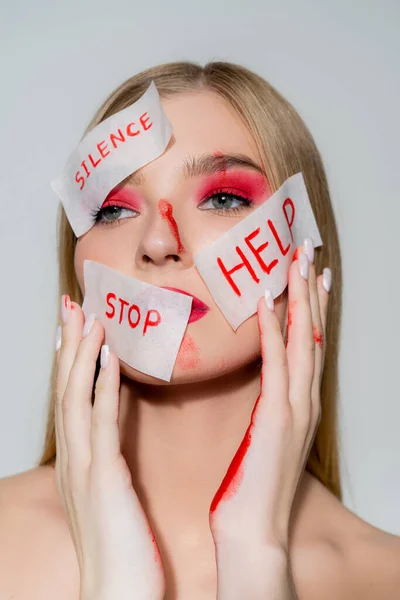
(286, 147)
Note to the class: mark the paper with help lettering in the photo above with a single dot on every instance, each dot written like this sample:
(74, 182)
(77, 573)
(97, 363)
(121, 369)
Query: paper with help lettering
(110, 152)
(144, 324)
(257, 252)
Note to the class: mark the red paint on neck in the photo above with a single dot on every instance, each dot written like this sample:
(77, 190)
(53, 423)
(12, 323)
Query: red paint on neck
(165, 210)
(234, 475)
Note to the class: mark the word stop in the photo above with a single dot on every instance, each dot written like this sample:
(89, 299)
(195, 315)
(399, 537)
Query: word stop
(152, 317)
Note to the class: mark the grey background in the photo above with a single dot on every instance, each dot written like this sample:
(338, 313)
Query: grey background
(337, 62)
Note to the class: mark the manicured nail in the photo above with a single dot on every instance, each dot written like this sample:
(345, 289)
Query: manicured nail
(309, 249)
(65, 308)
(104, 356)
(58, 338)
(269, 299)
(327, 279)
(88, 324)
(303, 265)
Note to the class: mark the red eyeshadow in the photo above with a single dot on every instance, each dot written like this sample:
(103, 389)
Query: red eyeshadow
(250, 184)
(124, 197)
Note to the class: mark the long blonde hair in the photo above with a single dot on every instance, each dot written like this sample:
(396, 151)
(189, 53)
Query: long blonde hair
(286, 147)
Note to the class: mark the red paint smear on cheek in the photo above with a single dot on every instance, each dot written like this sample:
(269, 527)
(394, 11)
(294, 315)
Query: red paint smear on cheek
(318, 337)
(188, 356)
(165, 210)
(234, 475)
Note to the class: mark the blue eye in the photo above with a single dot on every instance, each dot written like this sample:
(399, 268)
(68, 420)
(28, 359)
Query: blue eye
(224, 202)
(102, 215)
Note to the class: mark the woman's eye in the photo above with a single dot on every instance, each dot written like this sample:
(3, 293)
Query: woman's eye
(223, 201)
(110, 214)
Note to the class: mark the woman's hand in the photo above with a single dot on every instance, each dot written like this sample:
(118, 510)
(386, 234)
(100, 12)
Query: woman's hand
(249, 515)
(117, 554)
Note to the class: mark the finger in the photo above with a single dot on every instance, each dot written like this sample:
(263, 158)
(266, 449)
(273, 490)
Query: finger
(301, 345)
(317, 333)
(77, 402)
(71, 329)
(324, 283)
(274, 370)
(105, 438)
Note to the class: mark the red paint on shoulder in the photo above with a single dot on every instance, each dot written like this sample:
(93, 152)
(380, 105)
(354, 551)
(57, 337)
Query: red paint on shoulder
(165, 210)
(234, 475)
(318, 337)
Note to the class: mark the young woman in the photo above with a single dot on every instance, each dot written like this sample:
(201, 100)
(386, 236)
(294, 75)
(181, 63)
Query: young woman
(129, 499)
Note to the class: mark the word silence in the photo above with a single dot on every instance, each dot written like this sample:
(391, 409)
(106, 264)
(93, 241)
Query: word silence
(257, 252)
(144, 324)
(118, 146)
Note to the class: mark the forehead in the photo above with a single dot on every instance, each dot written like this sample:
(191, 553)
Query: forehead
(204, 122)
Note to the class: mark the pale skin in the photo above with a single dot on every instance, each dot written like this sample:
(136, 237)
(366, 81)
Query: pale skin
(177, 440)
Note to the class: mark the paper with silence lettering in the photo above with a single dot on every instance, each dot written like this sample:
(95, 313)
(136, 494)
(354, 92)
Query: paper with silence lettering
(257, 252)
(110, 152)
(144, 324)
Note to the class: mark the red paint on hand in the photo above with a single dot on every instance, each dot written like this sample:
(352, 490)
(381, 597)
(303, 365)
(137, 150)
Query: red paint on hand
(318, 337)
(165, 210)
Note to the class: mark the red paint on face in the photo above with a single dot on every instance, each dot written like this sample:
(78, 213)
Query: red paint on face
(234, 475)
(250, 184)
(188, 356)
(318, 337)
(125, 197)
(165, 210)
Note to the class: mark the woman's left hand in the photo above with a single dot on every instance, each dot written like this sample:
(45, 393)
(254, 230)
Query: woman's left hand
(250, 513)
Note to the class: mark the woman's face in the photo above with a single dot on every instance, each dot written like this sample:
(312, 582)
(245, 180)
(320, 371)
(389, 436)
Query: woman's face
(139, 238)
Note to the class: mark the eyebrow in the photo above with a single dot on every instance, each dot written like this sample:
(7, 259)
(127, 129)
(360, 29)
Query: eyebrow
(205, 164)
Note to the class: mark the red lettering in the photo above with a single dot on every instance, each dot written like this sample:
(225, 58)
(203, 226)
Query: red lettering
(108, 298)
(137, 309)
(101, 150)
(123, 303)
(79, 179)
(143, 121)
(131, 133)
(227, 274)
(148, 322)
(83, 164)
(90, 157)
(283, 250)
(114, 137)
(287, 202)
(256, 251)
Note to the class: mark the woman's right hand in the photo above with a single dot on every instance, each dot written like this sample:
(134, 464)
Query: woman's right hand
(116, 550)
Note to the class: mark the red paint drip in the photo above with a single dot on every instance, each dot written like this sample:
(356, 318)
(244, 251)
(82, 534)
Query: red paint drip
(290, 320)
(318, 337)
(165, 210)
(234, 475)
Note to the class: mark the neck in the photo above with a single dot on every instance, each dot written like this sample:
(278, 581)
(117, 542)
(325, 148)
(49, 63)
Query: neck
(178, 441)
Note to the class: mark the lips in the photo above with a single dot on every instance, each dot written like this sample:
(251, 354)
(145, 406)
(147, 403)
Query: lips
(199, 309)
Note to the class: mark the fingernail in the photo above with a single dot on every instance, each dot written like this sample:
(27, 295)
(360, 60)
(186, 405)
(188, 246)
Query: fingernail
(269, 299)
(309, 249)
(327, 279)
(303, 265)
(65, 308)
(58, 338)
(88, 324)
(104, 356)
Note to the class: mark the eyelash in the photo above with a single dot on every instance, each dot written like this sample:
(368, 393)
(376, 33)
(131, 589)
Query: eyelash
(97, 214)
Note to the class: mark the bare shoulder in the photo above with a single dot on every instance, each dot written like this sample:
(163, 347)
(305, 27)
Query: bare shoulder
(339, 555)
(36, 552)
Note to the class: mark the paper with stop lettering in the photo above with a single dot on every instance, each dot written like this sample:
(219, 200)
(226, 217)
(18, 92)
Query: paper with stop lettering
(257, 252)
(144, 324)
(110, 152)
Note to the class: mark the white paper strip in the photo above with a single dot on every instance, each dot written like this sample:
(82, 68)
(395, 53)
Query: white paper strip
(144, 324)
(257, 252)
(114, 149)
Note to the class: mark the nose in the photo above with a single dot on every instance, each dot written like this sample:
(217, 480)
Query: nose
(160, 243)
